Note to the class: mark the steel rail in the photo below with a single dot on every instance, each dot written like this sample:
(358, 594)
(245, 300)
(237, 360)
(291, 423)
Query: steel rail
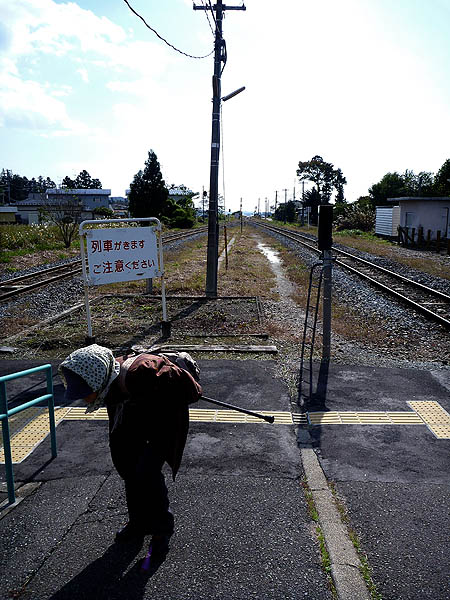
(297, 237)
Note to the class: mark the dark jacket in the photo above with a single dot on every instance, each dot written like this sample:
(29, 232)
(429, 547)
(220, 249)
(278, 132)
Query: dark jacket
(155, 409)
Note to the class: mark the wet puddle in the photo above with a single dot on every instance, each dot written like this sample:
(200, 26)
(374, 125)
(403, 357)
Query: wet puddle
(270, 254)
(284, 286)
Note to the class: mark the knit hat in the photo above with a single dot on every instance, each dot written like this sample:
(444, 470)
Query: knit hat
(98, 368)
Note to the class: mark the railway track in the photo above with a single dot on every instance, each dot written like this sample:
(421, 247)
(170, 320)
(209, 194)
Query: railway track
(16, 286)
(430, 302)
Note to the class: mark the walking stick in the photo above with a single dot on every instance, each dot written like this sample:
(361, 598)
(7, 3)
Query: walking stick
(268, 418)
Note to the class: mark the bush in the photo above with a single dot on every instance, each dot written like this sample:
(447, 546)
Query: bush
(29, 237)
(356, 217)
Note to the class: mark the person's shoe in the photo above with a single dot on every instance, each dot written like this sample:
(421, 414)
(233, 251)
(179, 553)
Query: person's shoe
(129, 533)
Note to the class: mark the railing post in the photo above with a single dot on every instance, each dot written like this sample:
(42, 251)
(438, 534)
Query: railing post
(51, 412)
(5, 413)
(7, 444)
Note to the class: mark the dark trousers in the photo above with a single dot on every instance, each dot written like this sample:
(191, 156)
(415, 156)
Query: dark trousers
(139, 464)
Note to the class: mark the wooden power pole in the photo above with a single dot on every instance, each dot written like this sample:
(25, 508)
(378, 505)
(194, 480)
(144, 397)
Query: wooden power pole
(220, 56)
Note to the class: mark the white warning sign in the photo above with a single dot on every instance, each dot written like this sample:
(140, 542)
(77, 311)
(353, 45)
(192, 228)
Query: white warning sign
(121, 254)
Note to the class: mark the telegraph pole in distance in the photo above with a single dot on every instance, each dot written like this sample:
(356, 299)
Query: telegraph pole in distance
(213, 214)
(285, 204)
(241, 214)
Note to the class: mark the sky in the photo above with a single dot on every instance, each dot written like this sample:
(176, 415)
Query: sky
(362, 83)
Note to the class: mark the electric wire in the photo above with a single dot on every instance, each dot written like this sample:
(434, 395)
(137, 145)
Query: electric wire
(212, 13)
(160, 37)
(207, 16)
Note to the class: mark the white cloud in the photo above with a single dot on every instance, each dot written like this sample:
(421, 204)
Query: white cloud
(27, 104)
(83, 74)
(36, 29)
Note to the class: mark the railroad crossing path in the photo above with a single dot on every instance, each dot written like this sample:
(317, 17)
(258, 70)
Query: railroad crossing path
(242, 525)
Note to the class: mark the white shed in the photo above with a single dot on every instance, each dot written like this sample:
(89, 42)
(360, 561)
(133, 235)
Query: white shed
(430, 214)
(387, 220)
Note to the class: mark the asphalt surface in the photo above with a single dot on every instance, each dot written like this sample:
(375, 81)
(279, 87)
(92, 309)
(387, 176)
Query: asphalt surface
(394, 479)
(242, 527)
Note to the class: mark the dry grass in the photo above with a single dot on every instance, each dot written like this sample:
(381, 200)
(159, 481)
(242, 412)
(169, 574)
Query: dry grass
(248, 273)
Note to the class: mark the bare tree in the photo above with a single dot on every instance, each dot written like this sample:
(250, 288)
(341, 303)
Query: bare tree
(65, 214)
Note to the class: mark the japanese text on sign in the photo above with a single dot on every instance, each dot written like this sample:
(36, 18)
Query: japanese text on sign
(123, 254)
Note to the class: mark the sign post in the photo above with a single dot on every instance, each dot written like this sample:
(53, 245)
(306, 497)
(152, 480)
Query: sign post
(120, 254)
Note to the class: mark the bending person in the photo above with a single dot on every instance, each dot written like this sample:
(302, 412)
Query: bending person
(147, 398)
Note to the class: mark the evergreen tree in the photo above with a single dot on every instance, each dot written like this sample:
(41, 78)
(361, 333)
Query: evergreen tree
(442, 180)
(325, 176)
(83, 181)
(148, 193)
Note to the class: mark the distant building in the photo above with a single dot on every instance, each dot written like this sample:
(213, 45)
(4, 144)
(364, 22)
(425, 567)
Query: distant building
(30, 210)
(177, 193)
(7, 215)
(119, 205)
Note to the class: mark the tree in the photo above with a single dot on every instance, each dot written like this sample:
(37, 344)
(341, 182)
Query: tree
(66, 215)
(83, 181)
(339, 182)
(312, 198)
(391, 185)
(148, 193)
(442, 180)
(104, 211)
(14, 187)
(286, 212)
(181, 210)
(325, 176)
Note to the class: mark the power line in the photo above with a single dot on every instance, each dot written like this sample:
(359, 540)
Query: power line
(212, 13)
(207, 16)
(160, 37)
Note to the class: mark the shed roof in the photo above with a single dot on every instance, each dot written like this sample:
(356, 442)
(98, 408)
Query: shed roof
(421, 199)
(79, 191)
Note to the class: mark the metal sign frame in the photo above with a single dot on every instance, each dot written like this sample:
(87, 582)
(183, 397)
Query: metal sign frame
(82, 233)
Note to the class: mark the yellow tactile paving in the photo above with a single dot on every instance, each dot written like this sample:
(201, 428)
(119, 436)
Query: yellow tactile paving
(195, 414)
(18, 421)
(79, 413)
(434, 416)
(31, 426)
(364, 418)
(32, 431)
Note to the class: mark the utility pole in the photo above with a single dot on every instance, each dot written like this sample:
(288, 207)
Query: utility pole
(241, 214)
(259, 214)
(203, 202)
(285, 203)
(213, 220)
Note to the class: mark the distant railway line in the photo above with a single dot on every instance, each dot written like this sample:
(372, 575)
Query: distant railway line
(432, 303)
(23, 284)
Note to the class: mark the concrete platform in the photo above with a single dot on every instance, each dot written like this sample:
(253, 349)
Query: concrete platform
(242, 526)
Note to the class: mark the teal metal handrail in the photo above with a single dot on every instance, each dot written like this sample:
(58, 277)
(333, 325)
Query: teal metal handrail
(5, 414)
